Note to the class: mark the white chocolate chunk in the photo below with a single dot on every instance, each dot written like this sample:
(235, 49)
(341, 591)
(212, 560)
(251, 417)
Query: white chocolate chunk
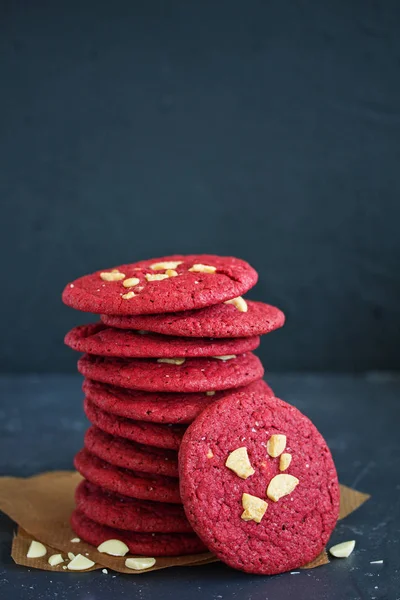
(225, 357)
(128, 295)
(158, 277)
(36, 550)
(80, 563)
(284, 461)
(239, 303)
(104, 571)
(171, 361)
(130, 282)
(210, 393)
(113, 276)
(138, 564)
(171, 273)
(276, 445)
(169, 264)
(199, 268)
(281, 485)
(55, 559)
(75, 540)
(254, 508)
(210, 453)
(238, 462)
(343, 550)
(113, 547)
(71, 555)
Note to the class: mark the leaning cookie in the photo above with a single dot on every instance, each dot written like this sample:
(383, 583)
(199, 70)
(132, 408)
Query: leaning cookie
(258, 483)
(168, 284)
(233, 319)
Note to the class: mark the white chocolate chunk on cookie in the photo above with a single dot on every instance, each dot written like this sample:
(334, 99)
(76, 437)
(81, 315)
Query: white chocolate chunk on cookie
(239, 303)
(254, 508)
(281, 485)
(199, 268)
(114, 275)
(156, 277)
(131, 282)
(238, 461)
(128, 295)
(276, 445)
(168, 264)
(171, 361)
(284, 461)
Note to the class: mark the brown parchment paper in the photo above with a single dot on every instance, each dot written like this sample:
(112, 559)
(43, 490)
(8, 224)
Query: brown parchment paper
(41, 506)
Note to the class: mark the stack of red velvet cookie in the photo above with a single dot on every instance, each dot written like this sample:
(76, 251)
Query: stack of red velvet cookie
(175, 336)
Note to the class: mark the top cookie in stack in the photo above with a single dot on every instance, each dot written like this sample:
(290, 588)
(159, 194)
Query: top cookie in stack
(136, 288)
(175, 336)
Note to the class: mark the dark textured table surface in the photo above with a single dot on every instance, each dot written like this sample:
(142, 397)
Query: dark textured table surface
(42, 426)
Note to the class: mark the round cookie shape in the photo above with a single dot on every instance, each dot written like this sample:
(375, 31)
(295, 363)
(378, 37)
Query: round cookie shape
(142, 486)
(145, 544)
(218, 321)
(149, 434)
(129, 514)
(101, 340)
(192, 281)
(156, 407)
(193, 375)
(254, 516)
(129, 455)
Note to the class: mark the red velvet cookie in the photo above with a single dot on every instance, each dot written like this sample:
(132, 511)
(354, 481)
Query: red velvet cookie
(127, 483)
(150, 434)
(129, 514)
(194, 375)
(219, 321)
(101, 340)
(156, 407)
(145, 544)
(129, 455)
(274, 504)
(189, 282)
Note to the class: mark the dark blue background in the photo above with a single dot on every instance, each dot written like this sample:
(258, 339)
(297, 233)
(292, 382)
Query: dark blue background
(266, 130)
